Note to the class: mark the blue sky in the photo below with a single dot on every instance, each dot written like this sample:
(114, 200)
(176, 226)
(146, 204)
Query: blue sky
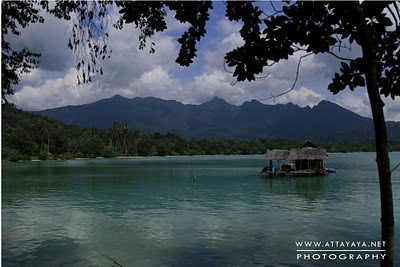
(134, 73)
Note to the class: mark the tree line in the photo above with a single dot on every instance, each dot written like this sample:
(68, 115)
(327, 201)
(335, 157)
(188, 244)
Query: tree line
(27, 136)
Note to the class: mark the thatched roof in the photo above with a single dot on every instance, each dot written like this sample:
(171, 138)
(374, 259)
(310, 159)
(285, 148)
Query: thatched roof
(277, 154)
(306, 153)
(308, 143)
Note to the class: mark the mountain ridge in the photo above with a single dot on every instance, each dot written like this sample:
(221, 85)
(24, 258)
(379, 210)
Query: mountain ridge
(217, 118)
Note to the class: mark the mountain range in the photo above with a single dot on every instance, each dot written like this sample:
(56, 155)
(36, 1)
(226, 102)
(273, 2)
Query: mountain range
(218, 119)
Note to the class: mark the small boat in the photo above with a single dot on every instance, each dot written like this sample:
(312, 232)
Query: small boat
(330, 170)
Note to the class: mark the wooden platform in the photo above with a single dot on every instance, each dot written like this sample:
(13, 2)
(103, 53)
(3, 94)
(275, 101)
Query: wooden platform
(294, 173)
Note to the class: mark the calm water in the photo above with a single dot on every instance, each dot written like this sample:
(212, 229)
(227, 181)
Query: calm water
(150, 212)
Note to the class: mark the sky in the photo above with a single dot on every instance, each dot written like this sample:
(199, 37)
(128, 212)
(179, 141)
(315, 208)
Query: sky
(131, 72)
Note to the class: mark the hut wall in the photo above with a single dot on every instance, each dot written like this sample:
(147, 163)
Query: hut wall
(315, 165)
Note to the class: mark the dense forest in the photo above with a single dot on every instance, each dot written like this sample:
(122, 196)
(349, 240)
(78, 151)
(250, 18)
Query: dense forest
(28, 136)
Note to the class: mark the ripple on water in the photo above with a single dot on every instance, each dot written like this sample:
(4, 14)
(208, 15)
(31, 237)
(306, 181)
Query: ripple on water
(136, 212)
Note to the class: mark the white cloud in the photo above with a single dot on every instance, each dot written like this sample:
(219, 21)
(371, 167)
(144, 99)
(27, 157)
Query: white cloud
(54, 93)
(33, 78)
(134, 73)
(359, 103)
(302, 97)
(392, 109)
(356, 103)
(216, 83)
(128, 64)
(227, 27)
(173, 25)
(225, 39)
(50, 39)
(158, 83)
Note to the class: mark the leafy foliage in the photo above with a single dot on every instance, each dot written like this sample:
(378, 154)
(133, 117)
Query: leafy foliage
(195, 13)
(90, 28)
(318, 27)
(89, 34)
(309, 26)
(304, 26)
(13, 63)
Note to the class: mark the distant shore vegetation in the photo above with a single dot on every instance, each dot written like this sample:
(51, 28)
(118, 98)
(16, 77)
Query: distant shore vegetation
(27, 136)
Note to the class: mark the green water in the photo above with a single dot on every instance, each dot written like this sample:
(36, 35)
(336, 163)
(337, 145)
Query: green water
(186, 211)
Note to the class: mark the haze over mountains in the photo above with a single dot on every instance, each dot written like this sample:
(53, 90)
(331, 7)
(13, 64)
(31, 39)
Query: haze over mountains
(218, 119)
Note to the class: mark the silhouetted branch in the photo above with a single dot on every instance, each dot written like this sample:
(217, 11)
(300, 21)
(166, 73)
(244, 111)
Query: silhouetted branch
(226, 68)
(340, 46)
(395, 167)
(294, 83)
(273, 7)
(297, 48)
(339, 57)
(89, 39)
(111, 259)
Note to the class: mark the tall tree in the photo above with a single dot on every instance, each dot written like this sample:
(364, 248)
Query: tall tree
(315, 27)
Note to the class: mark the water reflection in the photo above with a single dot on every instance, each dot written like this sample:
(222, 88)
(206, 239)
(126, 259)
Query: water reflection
(62, 251)
(136, 212)
(307, 187)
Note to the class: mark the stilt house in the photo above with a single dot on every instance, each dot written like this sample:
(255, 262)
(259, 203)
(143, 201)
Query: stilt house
(306, 160)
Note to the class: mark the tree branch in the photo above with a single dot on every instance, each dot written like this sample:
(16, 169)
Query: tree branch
(395, 168)
(111, 259)
(257, 78)
(274, 14)
(339, 57)
(273, 7)
(294, 83)
(226, 68)
(329, 52)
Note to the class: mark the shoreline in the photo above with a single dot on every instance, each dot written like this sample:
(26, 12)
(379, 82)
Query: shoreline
(175, 156)
(122, 157)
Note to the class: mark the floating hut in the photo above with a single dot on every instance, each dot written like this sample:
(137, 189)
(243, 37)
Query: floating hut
(306, 160)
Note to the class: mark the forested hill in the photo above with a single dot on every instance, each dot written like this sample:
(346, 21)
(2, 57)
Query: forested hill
(27, 136)
(326, 122)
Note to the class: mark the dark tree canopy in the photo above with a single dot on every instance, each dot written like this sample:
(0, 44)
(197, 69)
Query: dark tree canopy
(15, 14)
(318, 27)
(90, 30)
(314, 27)
(310, 26)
